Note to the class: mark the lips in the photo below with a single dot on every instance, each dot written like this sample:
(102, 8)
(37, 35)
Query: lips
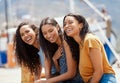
(68, 30)
(28, 39)
(51, 39)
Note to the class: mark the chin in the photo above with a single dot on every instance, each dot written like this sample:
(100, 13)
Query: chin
(70, 35)
(52, 41)
(31, 43)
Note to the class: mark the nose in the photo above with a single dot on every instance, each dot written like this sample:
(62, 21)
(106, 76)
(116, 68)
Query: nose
(25, 35)
(48, 35)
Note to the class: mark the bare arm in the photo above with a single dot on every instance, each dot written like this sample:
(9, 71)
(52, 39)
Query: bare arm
(55, 58)
(96, 58)
(71, 66)
(39, 73)
(47, 63)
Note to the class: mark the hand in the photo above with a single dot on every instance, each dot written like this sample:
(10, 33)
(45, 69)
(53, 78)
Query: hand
(40, 81)
(57, 54)
(48, 81)
(37, 81)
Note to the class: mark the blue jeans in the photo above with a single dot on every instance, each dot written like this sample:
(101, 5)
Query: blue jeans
(108, 78)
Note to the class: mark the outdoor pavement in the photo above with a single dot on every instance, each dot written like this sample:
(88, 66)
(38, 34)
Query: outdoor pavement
(10, 75)
(13, 75)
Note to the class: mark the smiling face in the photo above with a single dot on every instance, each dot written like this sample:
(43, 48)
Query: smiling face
(27, 34)
(50, 33)
(71, 26)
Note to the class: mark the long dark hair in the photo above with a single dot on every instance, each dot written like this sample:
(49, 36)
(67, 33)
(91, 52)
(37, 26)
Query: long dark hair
(48, 48)
(26, 54)
(74, 46)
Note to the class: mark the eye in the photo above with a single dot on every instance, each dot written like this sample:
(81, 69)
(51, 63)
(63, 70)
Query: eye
(22, 34)
(27, 31)
(51, 30)
(44, 33)
(70, 22)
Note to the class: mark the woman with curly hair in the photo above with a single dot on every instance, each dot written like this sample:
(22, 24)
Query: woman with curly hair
(26, 48)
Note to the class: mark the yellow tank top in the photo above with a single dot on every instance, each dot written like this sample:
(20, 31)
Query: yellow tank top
(26, 75)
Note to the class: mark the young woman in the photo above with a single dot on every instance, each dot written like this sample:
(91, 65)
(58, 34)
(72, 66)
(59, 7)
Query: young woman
(93, 64)
(58, 53)
(26, 49)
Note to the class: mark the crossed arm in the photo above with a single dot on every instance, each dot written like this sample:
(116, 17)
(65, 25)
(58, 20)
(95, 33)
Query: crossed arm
(71, 66)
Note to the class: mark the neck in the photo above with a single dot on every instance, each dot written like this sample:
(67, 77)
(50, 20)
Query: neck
(77, 39)
(59, 43)
(36, 44)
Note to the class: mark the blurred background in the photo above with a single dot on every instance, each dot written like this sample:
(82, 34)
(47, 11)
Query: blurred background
(13, 12)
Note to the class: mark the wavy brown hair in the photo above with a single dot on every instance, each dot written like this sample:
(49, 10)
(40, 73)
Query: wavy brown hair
(26, 54)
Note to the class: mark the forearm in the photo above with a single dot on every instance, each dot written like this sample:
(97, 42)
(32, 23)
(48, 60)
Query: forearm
(62, 77)
(39, 72)
(57, 66)
(47, 69)
(47, 73)
(96, 58)
(96, 77)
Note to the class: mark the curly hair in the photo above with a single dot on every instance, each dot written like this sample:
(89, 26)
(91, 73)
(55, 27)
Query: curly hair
(26, 54)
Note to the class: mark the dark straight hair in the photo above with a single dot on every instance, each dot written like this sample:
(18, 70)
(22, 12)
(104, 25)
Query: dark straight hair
(74, 46)
(48, 48)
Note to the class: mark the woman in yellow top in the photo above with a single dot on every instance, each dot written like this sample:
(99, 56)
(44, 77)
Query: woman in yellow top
(93, 65)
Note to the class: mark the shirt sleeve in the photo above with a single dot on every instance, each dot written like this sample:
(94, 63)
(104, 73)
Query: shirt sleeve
(92, 43)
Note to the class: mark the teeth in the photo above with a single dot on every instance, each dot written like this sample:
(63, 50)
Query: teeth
(28, 39)
(50, 38)
(68, 30)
